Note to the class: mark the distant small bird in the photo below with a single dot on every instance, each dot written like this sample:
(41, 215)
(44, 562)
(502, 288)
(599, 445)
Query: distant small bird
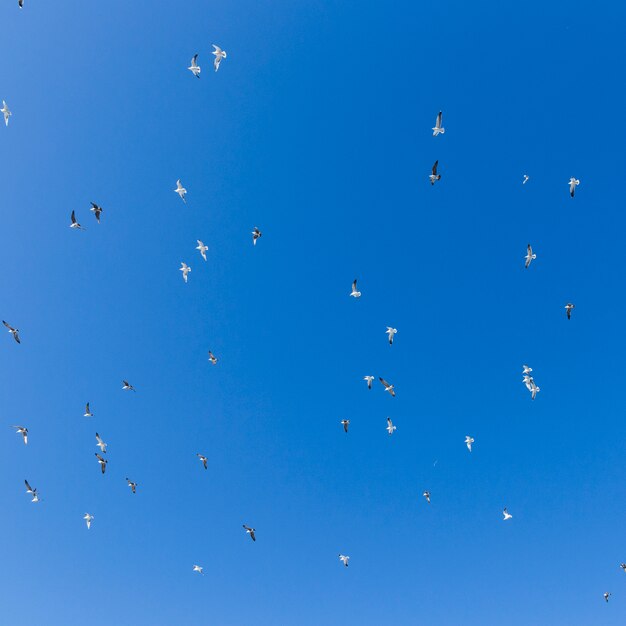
(197, 568)
(20, 3)
(345, 424)
(526, 369)
(569, 307)
(88, 412)
(219, 55)
(426, 494)
(468, 442)
(212, 358)
(74, 223)
(528, 380)
(251, 532)
(181, 191)
(103, 462)
(14, 331)
(344, 559)
(606, 595)
(202, 249)
(32, 491)
(126, 386)
(534, 390)
(623, 566)
(388, 387)
(434, 176)
(391, 332)
(354, 293)
(530, 256)
(438, 129)
(185, 269)
(369, 380)
(88, 519)
(256, 234)
(5, 111)
(101, 444)
(203, 459)
(96, 210)
(525, 179)
(194, 68)
(390, 427)
(573, 183)
(132, 485)
(22, 430)
(506, 514)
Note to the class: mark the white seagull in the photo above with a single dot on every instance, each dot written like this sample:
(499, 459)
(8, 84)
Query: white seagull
(96, 210)
(256, 233)
(390, 426)
(426, 494)
(88, 519)
(526, 369)
(194, 68)
(530, 256)
(568, 308)
(32, 491)
(251, 532)
(74, 223)
(391, 332)
(434, 176)
(132, 485)
(88, 412)
(534, 390)
(606, 595)
(344, 559)
(5, 111)
(573, 183)
(22, 430)
(388, 387)
(354, 293)
(212, 358)
(126, 386)
(345, 424)
(181, 191)
(623, 566)
(468, 442)
(14, 331)
(219, 55)
(103, 462)
(101, 444)
(185, 269)
(506, 514)
(438, 128)
(528, 380)
(202, 249)
(526, 177)
(197, 568)
(203, 459)
(369, 380)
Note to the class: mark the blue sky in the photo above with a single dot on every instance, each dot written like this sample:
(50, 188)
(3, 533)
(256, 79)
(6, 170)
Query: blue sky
(316, 129)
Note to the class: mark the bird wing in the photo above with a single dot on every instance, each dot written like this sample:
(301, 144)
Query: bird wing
(384, 382)
(354, 286)
(194, 61)
(29, 489)
(435, 168)
(73, 217)
(87, 408)
(98, 438)
(8, 326)
(439, 119)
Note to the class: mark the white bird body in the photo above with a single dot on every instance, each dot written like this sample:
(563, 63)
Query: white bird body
(506, 514)
(426, 494)
(344, 559)
(185, 269)
(256, 234)
(181, 191)
(14, 331)
(525, 179)
(526, 369)
(126, 386)
(251, 532)
(74, 223)
(391, 332)
(345, 424)
(22, 430)
(101, 444)
(434, 176)
(219, 55)
(88, 412)
(194, 68)
(202, 249)
(530, 256)
(390, 427)
(569, 307)
(388, 387)
(197, 568)
(368, 380)
(88, 519)
(5, 111)
(468, 442)
(438, 129)
(354, 293)
(573, 183)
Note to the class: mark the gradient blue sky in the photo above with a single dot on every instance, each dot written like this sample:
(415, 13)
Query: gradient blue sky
(317, 130)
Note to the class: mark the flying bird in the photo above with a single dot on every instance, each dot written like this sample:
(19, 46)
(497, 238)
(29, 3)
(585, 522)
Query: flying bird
(623, 566)
(14, 331)
(606, 595)
(197, 568)
(468, 442)
(569, 307)
(127, 386)
(132, 485)
(438, 128)
(219, 55)
(391, 332)
(345, 424)
(88, 519)
(181, 191)
(506, 514)
(426, 494)
(32, 491)
(530, 256)
(573, 183)
(74, 223)
(390, 426)
(22, 430)
(256, 233)
(103, 462)
(202, 249)
(96, 210)
(203, 459)
(101, 445)
(388, 387)
(20, 3)
(5, 111)
(344, 559)
(212, 358)
(526, 177)
(434, 176)
(526, 369)
(369, 380)
(194, 68)
(251, 532)
(354, 293)
(534, 390)
(88, 412)
(185, 269)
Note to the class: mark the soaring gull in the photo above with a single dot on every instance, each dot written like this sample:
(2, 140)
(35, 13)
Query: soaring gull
(96, 210)
(573, 183)
(185, 269)
(369, 380)
(14, 331)
(194, 68)
(530, 256)
(74, 223)
(202, 249)
(345, 424)
(22, 430)
(438, 128)
(251, 532)
(181, 191)
(203, 459)
(390, 427)
(88, 519)
(344, 559)
(388, 387)
(391, 332)
(219, 55)
(434, 176)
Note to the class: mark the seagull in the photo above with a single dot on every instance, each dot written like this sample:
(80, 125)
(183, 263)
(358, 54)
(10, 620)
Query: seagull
(6, 112)
(101, 445)
(573, 183)
(528, 381)
(203, 459)
(345, 424)
(530, 256)
(219, 55)
(434, 176)
(20, 3)
(526, 177)
(623, 566)
(354, 293)
(212, 358)
(127, 386)
(438, 129)
(506, 514)
(390, 426)
(13, 331)
(568, 307)
(391, 332)
(181, 191)
(96, 210)
(74, 223)
(22, 430)
(534, 390)
(527, 370)
(256, 233)
(103, 462)
(185, 269)
(87, 517)
(202, 249)
(388, 387)
(344, 559)
(426, 494)
(132, 485)
(194, 68)
(369, 380)
(251, 532)
(88, 412)
(32, 491)
(197, 568)
(468, 442)
(606, 595)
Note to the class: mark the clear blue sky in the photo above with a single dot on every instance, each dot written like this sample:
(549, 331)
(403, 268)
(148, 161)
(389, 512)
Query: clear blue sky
(316, 129)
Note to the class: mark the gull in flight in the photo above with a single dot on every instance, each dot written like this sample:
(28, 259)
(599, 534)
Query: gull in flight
(219, 55)
(530, 256)
(526, 369)
(181, 191)
(623, 566)
(127, 386)
(101, 445)
(202, 249)
(103, 462)
(528, 380)
(212, 358)
(391, 332)
(526, 177)
(132, 485)
(345, 424)
(96, 210)
(426, 494)
(14, 331)
(606, 595)
(506, 514)
(388, 387)
(185, 269)
(390, 426)
(5, 111)
(438, 128)
(354, 293)
(203, 459)
(32, 491)
(88, 518)
(197, 568)
(256, 233)
(534, 390)
(194, 68)
(468, 442)
(251, 532)
(74, 223)
(369, 380)
(88, 412)
(434, 176)
(568, 308)
(22, 430)
(344, 559)
(20, 3)
(573, 183)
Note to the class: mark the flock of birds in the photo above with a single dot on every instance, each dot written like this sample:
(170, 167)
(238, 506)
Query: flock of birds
(391, 332)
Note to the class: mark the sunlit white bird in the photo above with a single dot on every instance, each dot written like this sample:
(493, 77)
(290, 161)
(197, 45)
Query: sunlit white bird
(96, 210)
(14, 331)
(506, 514)
(530, 256)
(623, 566)
(434, 177)
(126, 386)
(212, 358)
(185, 269)
(32, 491)
(88, 412)
(526, 177)
(526, 369)
(194, 68)
(426, 494)
(219, 55)
(534, 390)
(354, 293)
(103, 462)
(528, 380)
(388, 387)
(368, 380)
(573, 183)
(344, 559)
(251, 532)
(22, 430)
(391, 332)
(202, 249)
(197, 568)
(88, 519)
(204, 460)
(569, 307)
(132, 485)
(181, 191)
(5, 111)
(345, 424)
(468, 442)
(101, 444)
(256, 234)
(74, 223)
(390, 427)
(438, 128)
(606, 595)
